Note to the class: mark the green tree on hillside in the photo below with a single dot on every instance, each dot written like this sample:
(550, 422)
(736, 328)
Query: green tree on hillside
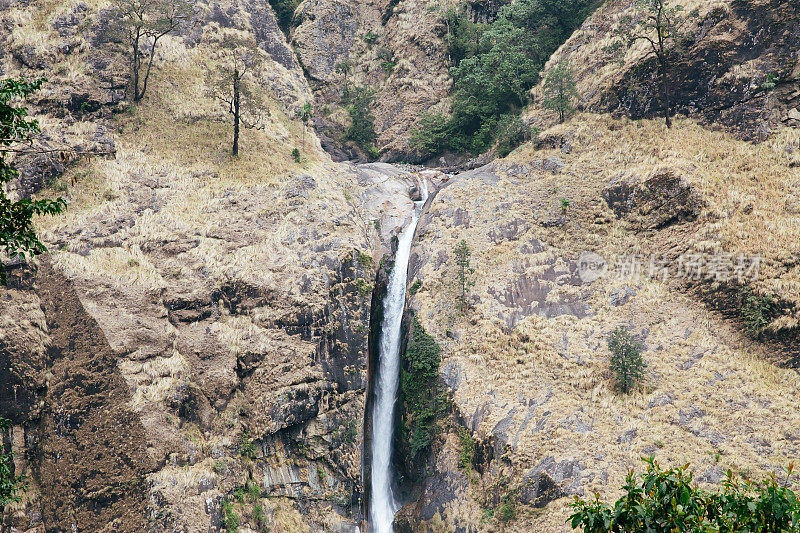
(362, 122)
(463, 35)
(11, 485)
(284, 12)
(420, 398)
(144, 23)
(511, 132)
(233, 84)
(626, 359)
(494, 82)
(344, 67)
(559, 90)
(18, 237)
(495, 66)
(432, 134)
(658, 24)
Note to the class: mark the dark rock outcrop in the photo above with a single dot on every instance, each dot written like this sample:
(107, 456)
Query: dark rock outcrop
(663, 199)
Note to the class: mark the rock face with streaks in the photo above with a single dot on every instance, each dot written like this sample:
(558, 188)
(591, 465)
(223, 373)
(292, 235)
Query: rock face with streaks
(395, 48)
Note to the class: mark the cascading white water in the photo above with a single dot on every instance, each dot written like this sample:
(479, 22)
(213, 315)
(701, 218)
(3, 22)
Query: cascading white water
(383, 505)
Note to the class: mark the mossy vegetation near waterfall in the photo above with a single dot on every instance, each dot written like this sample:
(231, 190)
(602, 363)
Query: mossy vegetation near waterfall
(422, 401)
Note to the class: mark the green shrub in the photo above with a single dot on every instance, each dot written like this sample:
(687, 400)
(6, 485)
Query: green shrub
(252, 489)
(431, 135)
(284, 12)
(386, 56)
(626, 359)
(258, 516)
(770, 83)
(364, 259)
(373, 152)
(230, 520)
(415, 287)
(363, 287)
(296, 155)
(11, 486)
(507, 510)
(668, 500)
(467, 448)
(362, 122)
(370, 37)
(247, 446)
(756, 310)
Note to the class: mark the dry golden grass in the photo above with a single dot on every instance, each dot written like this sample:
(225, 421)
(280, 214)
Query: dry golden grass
(562, 361)
(749, 188)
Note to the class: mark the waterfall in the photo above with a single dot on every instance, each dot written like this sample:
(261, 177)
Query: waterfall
(383, 505)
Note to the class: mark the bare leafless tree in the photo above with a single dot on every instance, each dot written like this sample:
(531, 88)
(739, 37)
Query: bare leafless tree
(144, 23)
(233, 83)
(658, 24)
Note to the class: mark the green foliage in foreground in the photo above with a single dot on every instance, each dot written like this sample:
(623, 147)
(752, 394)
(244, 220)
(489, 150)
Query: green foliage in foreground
(11, 486)
(420, 396)
(17, 234)
(668, 500)
(626, 359)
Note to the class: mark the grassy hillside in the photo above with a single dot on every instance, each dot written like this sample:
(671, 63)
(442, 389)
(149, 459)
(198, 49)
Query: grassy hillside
(529, 363)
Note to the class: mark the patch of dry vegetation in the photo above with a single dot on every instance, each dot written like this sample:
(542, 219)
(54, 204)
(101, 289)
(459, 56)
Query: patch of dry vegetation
(710, 398)
(752, 191)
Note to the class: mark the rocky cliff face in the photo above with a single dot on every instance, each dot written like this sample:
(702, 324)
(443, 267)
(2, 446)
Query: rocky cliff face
(396, 48)
(733, 49)
(194, 350)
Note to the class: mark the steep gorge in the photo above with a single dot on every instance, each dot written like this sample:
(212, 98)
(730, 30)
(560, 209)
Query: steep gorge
(205, 325)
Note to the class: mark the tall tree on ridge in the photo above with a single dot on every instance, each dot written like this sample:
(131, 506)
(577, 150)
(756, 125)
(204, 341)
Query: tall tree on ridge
(658, 25)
